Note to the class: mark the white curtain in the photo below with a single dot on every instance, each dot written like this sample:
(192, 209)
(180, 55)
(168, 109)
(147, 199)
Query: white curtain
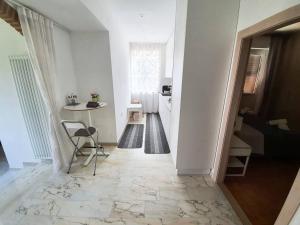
(145, 74)
(38, 33)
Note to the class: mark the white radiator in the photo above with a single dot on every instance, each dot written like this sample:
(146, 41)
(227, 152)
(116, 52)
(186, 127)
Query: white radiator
(32, 105)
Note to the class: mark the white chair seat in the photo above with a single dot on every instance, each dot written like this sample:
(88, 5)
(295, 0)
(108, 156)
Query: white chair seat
(134, 107)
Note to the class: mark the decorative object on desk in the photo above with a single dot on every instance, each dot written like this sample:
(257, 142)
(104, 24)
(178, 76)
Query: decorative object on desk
(72, 99)
(95, 97)
(92, 105)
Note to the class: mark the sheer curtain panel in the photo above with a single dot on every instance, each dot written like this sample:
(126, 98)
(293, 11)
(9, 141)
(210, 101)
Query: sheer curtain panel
(38, 33)
(145, 74)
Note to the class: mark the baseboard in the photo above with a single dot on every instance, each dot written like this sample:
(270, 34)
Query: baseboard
(235, 205)
(193, 171)
(109, 143)
(86, 144)
(30, 164)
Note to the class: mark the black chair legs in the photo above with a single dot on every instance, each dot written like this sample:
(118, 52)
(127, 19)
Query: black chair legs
(95, 165)
(72, 161)
(85, 132)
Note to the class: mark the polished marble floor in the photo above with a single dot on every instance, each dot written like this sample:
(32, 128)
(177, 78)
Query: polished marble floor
(130, 188)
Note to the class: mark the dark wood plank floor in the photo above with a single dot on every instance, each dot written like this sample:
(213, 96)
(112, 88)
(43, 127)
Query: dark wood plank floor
(262, 192)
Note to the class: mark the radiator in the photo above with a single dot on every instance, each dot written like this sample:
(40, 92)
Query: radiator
(32, 105)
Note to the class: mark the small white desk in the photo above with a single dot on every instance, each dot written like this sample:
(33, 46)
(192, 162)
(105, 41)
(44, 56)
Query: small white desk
(238, 148)
(80, 108)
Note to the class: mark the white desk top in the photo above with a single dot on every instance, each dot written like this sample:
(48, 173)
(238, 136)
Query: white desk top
(239, 147)
(82, 107)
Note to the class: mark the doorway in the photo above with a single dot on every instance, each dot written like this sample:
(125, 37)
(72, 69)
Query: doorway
(244, 79)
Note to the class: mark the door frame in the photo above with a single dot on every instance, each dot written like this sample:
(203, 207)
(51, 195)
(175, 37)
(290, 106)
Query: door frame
(235, 83)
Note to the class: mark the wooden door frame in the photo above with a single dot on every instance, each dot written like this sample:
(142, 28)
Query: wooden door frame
(236, 79)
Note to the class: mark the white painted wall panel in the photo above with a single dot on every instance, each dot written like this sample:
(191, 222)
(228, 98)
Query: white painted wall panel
(92, 62)
(179, 44)
(210, 34)
(119, 47)
(13, 132)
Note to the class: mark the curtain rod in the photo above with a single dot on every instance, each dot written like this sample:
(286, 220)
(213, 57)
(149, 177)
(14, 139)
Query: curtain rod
(14, 4)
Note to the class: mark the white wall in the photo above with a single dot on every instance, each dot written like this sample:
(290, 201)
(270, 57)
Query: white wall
(66, 82)
(92, 60)
(119, 47)
(169, 56)
(253, 11)
(13, 132)
(208, 51)
(120, 70)
(179, 43)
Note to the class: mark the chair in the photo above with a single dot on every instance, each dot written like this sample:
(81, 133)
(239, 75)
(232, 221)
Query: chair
(135, 107)
(76, 130)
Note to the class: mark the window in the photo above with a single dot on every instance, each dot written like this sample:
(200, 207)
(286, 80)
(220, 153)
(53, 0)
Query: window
(146, 66)
(254, 64)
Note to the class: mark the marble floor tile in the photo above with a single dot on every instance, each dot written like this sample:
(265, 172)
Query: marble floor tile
(38, 207)
(209, 209)
(173, 193)
(128, 209)
(85, 209)
(126, 221)
(43, 220)
(136, 193)
(130, 188)
(190, 181)
(205, 193)
(165, 208)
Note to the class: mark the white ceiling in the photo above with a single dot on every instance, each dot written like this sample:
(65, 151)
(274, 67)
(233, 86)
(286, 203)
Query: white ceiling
(145, 20)
(71, 14)
(139, 20)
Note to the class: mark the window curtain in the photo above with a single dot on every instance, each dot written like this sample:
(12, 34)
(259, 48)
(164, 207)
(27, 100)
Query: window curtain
(38, 33)
(272, 67)
(261, 81)
(145, 74)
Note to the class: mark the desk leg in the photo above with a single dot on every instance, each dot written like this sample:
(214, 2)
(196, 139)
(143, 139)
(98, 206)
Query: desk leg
(141, 115)
(90, 118)
(245, 166)
(93, 151)
(89, 159)
(90, 124)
